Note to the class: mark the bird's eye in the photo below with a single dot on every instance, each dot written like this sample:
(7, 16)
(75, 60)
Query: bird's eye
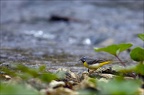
(84, 58)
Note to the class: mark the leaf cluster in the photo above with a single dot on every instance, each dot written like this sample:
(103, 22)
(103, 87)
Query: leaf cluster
(136, 54)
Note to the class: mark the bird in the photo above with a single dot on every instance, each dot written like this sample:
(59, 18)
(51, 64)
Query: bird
(94, 64)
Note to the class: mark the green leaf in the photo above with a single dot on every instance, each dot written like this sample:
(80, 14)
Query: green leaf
(42, 68)
(47, 77)
(137, 54)
(31, 71)
(128, 69)
(124, 46)
(119, 87)
(61, 74)
(8, 71)
(114, 49)
(140, 68)
(141, 36)
(88, 91)
(16, 89)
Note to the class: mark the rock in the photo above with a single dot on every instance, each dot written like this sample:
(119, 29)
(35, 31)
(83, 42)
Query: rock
(67, 75)
(55, 84)
(59, 91)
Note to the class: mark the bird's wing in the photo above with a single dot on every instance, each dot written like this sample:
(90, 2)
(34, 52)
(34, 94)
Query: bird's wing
(95, 61)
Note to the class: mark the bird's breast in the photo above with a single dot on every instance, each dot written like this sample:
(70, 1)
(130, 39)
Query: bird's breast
(85, 64)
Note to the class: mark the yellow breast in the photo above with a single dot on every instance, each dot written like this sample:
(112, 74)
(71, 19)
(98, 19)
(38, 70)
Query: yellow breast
(85, 64)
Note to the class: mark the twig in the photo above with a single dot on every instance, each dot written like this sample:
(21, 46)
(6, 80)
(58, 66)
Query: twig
(120, 61)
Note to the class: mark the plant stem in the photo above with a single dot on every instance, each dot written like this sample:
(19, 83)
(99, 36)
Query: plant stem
(120, 60)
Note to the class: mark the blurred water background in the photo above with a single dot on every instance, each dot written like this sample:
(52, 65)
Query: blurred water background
(58, 32)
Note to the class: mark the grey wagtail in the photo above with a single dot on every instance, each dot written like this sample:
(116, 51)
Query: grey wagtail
(94, 64)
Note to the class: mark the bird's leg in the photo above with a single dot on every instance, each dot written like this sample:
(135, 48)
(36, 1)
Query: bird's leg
(88, 70)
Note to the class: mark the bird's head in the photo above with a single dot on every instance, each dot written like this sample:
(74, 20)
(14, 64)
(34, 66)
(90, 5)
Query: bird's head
(83, 59)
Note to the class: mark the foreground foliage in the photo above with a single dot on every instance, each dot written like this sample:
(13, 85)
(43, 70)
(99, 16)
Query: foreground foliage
(64, 82)
(127, 80)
